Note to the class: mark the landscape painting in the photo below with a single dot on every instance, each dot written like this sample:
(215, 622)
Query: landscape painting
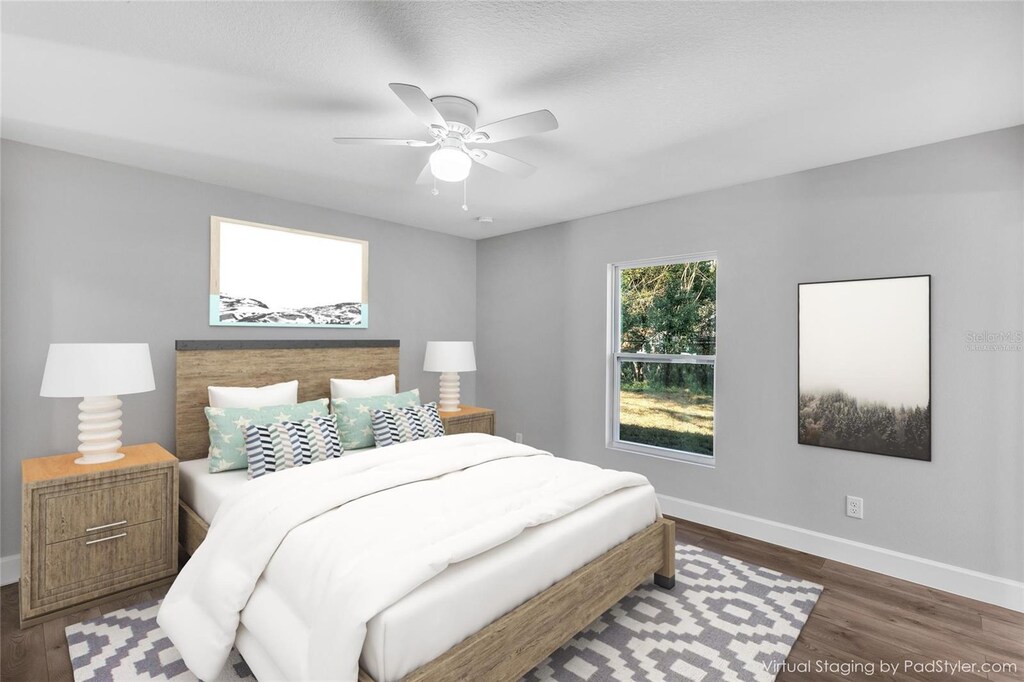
(262, 275)
(865, 366)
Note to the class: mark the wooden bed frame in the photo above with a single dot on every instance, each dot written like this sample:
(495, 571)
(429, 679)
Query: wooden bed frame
(509, 647)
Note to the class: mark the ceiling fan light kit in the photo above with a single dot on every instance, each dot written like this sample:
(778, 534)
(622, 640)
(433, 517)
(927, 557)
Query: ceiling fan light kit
(451, 121)
(449, 163)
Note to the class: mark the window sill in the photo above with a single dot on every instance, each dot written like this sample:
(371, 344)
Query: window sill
(663, 453)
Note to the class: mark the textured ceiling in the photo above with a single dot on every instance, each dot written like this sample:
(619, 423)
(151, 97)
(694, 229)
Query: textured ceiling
(655, 99)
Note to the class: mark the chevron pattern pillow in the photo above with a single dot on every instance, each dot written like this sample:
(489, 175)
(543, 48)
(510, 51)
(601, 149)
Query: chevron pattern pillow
(355, 415)
(406, 423)
(285, 445)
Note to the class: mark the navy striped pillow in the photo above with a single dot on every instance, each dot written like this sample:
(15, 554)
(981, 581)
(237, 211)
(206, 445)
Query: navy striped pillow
(285, 445)
(406, 423)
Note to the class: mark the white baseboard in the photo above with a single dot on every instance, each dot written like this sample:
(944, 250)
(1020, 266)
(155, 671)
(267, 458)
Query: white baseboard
(10, 569)
(948, 578)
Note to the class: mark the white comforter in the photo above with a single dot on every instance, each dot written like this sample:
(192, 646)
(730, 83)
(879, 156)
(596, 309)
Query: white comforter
(492, 490)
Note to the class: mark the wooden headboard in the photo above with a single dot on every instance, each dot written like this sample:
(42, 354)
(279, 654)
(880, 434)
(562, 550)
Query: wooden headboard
(201, 364)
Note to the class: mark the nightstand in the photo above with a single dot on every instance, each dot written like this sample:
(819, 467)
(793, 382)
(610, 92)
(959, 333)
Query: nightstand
(468, 419)
(90, 532)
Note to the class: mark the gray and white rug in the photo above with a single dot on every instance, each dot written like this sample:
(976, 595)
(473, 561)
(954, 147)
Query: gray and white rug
(725, 620)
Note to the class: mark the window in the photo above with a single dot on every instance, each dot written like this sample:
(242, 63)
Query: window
(662, 362)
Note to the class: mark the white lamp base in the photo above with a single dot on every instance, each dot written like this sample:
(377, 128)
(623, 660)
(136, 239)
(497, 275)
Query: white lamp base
(449, 395)
(99, 429)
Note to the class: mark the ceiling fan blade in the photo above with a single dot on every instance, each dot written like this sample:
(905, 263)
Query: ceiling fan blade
(518, 126)
(383, 141)
(419, 104)
(426, 177)
(502, 163)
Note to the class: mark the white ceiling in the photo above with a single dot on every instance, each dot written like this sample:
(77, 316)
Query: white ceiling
(655, 100)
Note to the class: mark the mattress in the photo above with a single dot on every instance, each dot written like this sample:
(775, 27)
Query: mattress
(455, 604)
(204, 492)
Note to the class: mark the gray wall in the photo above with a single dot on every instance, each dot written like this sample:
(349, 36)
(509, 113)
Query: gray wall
(94, 251)
(952, 210)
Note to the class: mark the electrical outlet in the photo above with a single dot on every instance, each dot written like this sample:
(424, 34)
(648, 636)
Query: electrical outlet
(519, 437)
(855, 507)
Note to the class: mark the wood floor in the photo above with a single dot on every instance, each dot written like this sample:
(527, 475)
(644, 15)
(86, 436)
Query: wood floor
(864, 618)
(861, 620)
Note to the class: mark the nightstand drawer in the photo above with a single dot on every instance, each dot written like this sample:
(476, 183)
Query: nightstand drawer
(107, 509)
(468, 419)
(480, 424)
(117, 554)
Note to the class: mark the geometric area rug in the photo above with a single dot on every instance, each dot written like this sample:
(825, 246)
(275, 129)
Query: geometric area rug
(726, 620)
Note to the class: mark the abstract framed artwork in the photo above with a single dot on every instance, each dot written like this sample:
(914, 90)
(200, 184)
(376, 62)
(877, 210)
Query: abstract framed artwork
(864, 365)
(267, 276)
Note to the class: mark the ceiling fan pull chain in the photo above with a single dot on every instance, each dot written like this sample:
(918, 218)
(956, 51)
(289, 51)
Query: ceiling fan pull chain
(435, 191)
(465, 206)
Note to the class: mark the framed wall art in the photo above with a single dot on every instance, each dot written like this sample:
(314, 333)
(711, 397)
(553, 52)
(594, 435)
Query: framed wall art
(267, 276)
(864, 369)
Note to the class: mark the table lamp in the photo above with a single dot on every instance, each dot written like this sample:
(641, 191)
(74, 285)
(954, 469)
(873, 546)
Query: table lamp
(97, 373)
(449, 358)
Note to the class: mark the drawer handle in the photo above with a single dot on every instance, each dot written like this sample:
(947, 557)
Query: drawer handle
(103, 527)
(112, 537)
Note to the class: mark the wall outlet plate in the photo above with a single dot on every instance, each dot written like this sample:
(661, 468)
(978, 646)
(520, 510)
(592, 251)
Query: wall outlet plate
(855, 507)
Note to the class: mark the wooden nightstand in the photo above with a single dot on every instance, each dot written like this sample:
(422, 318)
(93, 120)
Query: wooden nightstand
(468, 419)
(93, 531)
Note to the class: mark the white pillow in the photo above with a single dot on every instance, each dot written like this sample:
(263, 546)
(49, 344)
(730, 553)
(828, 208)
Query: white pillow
(362, 388)
(286, 393)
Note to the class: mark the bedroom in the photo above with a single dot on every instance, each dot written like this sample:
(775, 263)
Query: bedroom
(790, 150)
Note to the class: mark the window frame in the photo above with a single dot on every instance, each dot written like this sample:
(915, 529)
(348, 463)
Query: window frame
(615, 357)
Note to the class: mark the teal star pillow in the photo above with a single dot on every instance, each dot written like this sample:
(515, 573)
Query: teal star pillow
(354, 416)
(227, 429)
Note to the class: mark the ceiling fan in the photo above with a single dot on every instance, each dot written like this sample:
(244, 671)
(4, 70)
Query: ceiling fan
(451, 121)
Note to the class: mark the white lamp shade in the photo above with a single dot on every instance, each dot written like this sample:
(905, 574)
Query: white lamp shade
(449, 356)
(77, 370)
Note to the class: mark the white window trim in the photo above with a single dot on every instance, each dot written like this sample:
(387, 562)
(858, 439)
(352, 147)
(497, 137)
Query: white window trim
(613, 357)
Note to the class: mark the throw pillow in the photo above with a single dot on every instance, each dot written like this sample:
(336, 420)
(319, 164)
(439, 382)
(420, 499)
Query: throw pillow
(353, 414)
(404, 424)
(286, 445)
(227, 428)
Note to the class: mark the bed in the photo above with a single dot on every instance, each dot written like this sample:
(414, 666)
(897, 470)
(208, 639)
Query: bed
(458, 624)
